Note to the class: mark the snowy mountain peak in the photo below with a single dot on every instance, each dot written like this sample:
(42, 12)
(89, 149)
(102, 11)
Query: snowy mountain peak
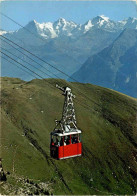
(104, 18)
(100, 19)
(99, 22)
(62, 21)
(88, 26)
(62, 27)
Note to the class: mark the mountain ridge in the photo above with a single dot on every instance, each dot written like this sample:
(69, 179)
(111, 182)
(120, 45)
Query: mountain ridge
(62, 26)
(67, 45)
(113, 66)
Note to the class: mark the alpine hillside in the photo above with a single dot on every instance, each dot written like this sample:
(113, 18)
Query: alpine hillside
(108, 165)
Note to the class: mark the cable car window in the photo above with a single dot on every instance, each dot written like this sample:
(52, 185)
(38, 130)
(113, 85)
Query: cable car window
(65, 140)
(58, 139)
(61, 141)
(74, 138)
(68, 140)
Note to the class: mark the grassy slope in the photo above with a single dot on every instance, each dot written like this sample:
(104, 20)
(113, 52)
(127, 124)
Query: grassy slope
(109, 161)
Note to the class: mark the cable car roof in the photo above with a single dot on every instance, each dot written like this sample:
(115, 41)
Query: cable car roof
(72, 132)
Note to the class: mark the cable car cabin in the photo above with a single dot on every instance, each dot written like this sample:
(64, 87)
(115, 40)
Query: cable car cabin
(66, 137)
(66, 145)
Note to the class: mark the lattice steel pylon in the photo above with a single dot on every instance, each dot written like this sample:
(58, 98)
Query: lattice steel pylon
(68, 120)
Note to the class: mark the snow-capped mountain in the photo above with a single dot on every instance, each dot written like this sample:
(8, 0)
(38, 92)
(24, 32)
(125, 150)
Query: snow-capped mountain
(44, 29)
(63, 27)
(64, 44)
(100, 22)
(103, 22)
(49, 30)
(69, 28)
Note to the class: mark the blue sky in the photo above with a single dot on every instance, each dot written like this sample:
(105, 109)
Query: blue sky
(77, 11)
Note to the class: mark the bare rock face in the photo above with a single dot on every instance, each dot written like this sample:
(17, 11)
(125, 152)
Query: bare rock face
(2, 174)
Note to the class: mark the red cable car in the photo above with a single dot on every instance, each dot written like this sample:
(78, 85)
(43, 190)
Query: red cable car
(66, 137)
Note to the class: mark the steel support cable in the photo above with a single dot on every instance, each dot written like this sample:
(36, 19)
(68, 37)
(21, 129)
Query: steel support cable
(29, 58)
(73, 87)
(18, 66)
(15, 38)
(87, 106)
(20, 59)
(27, 68)
(76, 101)
(40, 58)
(25, 62)
(52, 66)
(55, 74)
(21, 69)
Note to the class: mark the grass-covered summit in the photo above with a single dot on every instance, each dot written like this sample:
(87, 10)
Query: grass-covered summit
(109, 126)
